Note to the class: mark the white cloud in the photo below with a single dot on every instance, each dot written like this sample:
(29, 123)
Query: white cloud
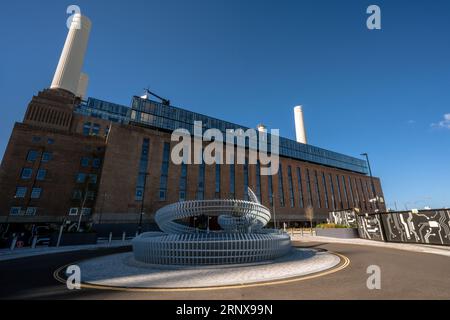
(444, 123)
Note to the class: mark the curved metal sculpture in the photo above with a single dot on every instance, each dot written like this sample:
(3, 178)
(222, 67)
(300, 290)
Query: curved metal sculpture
(241, 239)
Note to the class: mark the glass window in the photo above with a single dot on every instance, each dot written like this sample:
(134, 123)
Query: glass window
(96, 163)
(142, 174)
(73, 211)
(93, 178)
(32, 155)
(41, 174)
(300, 187)
(341, 204)
(36, 193)
(31, 211)
(217, 190)
(77, 194)
(86, 211)
(333, 197)
(246, 180)
(87, 128)
(258, 180)
(15, 211)
(308, 188)
(319, 200)
(291, 187)
(46, 156)
(324, 181)
(85, 162)
(232, 184)
(95, 129)
(164, 172)
(81, 177)
(26, 173)
(20, 192)
(183, 181)
(345, 192)
(36, 139)
(50, 141)
(90, 195)
(280, 185)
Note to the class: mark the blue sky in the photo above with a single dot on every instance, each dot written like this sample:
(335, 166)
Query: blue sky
(385, 92)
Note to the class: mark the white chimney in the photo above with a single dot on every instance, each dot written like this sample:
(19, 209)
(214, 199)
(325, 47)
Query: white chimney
(82, 85)
(68, 72)
(300, 131)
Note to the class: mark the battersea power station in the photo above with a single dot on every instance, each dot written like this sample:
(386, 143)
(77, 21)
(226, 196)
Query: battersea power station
(80, 160)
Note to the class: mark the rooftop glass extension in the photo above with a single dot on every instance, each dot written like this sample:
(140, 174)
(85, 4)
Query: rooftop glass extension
(169, 118)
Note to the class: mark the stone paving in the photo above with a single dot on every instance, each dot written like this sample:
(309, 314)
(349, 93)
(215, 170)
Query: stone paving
(121, 270)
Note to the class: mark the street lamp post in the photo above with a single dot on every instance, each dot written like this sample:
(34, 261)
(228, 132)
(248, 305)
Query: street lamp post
(371, 180)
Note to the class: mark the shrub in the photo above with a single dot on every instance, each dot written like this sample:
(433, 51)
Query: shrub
(330, 226)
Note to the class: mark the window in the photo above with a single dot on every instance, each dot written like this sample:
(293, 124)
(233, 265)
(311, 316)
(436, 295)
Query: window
(352, 197)
(308, 187)
(95, 129)
(164, 172)
(81, 177)
(85, 162)
(36, 193)
(232, 184)
(345, 192)
(96, 163)
(270, 188)
(217, 190)
(246, 180)
(333, 197)
(324, 181)
(90, 195)
(183, 181)
(77, 194)
(291, 187)
(87, 128)
(280, 185)
(31, 211)
(93, 178)
(26, 173)
(86, 211)
(319, 201)
(73, 211)
(41, 174)
(50, 141)
(46, 156)
(258, 180)
(339, 193)
(300, 187)
(36, 139)
(15, 211)
(142, 175)
(32, 155)
(20, 192)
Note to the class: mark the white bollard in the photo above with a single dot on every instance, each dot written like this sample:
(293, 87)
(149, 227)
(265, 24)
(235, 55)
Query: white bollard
(136, 233)
(33, 244)
(124, 235)
(110, 238)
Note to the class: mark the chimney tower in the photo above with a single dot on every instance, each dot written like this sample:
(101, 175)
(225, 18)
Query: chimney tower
(68, 74)
(300, 131)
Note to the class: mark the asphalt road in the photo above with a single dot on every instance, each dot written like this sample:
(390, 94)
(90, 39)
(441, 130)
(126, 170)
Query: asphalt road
(404, 275)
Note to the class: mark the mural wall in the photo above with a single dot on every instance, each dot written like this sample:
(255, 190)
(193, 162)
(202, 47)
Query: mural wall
(423, 226)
